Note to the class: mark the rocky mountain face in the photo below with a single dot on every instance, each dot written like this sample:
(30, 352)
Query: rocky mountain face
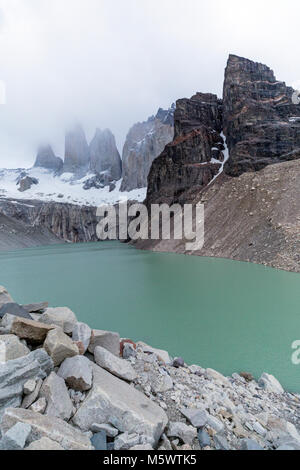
(77, 152)
(195, 155)
(144, 142)
(261, 123)
(67, 222)
(104, 155)
(47, 159)
(258, 118)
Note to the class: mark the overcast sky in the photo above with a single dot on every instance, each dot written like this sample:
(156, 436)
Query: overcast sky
(111, 63)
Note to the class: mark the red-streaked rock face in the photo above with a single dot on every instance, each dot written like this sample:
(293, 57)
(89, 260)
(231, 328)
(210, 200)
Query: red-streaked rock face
(188, 161)
(258, 117)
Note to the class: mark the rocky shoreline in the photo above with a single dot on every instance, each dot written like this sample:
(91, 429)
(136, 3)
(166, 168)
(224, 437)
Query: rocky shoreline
(64, 386)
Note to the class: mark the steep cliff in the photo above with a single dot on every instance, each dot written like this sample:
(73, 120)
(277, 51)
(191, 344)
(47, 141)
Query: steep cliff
(68, 222)
(144, 142)
(260, 119)
(196, 154)
(104, 155)
(46, 159)
(77, 152)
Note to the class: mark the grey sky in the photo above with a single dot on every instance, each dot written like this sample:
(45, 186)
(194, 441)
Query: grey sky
(110, 63)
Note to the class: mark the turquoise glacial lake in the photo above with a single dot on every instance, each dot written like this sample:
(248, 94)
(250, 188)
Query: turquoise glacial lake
(226, 315)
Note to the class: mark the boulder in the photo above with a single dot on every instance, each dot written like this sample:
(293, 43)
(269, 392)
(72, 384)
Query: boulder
(26, 183)
(77, 372)
(115, 365)
(30, 399)
(36, 308)
(55, 392)
(60, 316)
(44, 444)
(29, 387)
(186, 433)
(212, 374)
(5, 298)
(107, 340)
(15, 438)
(14, 374)
(162, 355)
(99, 441)
(14, 309)
(59, 346)
(250, 444)
(270, 383)
(110, 430)
(11, 348)
(197, 417)
(39, 406)
(33, 331)
(82, 333)
(114, 402)
(125, 441)
(203, 438)
(46, 426)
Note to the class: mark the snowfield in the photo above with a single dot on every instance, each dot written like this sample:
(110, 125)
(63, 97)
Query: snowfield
(63, 188)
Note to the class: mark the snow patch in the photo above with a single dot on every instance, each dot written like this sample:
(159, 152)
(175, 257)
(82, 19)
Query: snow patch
(63, 188)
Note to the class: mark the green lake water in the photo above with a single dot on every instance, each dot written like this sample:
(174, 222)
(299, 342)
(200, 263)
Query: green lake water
(222, 314)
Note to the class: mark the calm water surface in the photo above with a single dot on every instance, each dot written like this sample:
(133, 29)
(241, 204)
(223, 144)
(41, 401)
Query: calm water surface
(222, 314)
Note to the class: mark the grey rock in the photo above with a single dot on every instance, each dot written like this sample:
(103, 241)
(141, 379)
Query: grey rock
(285, 447)
(30, 399)
(115, 402)
(203, 438)
(29, 387)
(270, 383)
(99, 441)
(161, 354)
(11, 348)
(257, 427)
(212, 374)
(197, 370)
(46, 426)
(77, 153)
(109, 430)
(55, 392)
(60, 316)
(39, 406)
(59, 346)
(144, 142)
(186, 433)
(126, 441)
(36, 308)
(178, 362)
(128, 351)
(82, 333)
(77, 372)
(15, 438)
(47, 159)
(221, 442)
(14, 309)
(107, 340)
(14, 374)
(215, 423)
(26, 183)
(250, 444)
(44, 444)
(162, 384)
(5, 297)
(198, 418)
(115, 365)
(105, 156)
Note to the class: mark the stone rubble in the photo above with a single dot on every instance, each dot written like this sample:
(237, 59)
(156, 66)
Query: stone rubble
(122, 395)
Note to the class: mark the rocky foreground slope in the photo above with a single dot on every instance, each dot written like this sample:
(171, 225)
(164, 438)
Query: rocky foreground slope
(64, 386)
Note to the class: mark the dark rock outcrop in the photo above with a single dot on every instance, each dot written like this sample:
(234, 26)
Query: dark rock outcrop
(47, 159)
(259, 117)
(77, 152)
(104, 155)
(144, 142)
(194, 157)
(26, 183)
